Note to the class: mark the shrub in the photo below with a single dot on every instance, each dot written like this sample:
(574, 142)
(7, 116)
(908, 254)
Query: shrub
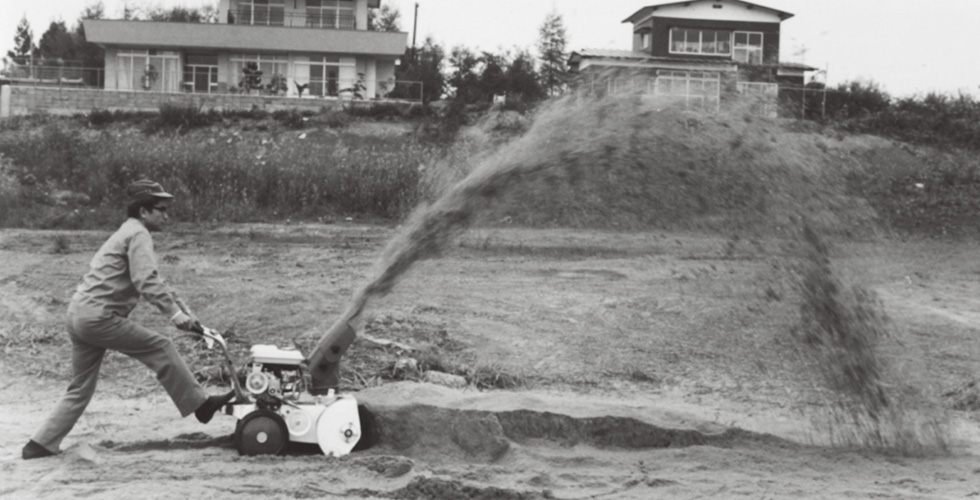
(100, 117)
(180, 116)
(290, 118)
(375, 110)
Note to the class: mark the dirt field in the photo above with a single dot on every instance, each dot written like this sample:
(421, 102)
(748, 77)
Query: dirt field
(639, 365)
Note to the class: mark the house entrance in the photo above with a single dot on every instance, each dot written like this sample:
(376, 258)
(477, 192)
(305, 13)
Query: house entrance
(200, 73)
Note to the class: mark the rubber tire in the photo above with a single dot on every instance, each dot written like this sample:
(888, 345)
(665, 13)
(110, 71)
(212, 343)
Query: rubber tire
(249, 427)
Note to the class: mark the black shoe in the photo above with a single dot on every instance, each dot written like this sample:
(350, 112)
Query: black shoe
(34, 450)
(212, 405)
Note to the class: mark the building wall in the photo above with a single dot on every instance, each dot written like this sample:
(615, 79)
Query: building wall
(228, 78)
(638, 30)
(662, 26)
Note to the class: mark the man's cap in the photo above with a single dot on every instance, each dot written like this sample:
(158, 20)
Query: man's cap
(146, 189)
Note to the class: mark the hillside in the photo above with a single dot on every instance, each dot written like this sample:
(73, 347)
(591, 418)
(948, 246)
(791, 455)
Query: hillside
(610, 164)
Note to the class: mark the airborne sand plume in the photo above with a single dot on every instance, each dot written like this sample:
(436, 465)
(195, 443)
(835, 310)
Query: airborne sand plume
(600, 157)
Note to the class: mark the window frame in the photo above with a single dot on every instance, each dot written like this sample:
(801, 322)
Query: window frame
(748, 47)
(263, 62)
(342, 13)
(135, 62)
(252, 7)
(700, 42)
(323, 85)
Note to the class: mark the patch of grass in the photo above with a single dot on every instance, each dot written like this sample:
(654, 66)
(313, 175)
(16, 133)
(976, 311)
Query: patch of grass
(492, 376)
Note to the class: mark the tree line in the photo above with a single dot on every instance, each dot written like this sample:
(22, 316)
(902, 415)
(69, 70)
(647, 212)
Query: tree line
(458, 73)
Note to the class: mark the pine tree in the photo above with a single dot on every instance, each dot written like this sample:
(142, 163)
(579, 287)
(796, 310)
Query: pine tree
(57, 44)
(23, 43)
(523, 79)
(551, 51)
(425, 67)
(90, 54)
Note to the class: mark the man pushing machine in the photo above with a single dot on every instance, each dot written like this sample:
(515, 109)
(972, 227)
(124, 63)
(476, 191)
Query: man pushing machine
(121, 272)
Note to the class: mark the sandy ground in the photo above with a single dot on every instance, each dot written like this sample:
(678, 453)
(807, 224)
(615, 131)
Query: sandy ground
(653, 365)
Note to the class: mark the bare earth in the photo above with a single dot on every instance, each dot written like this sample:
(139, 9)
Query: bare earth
(652, 366)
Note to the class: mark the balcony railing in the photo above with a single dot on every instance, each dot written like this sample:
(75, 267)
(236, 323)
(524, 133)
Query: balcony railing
(259, 16)
(36, 74)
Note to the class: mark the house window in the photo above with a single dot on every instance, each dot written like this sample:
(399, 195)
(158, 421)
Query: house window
(698, 41)
(262, 12)
(338, 14)
(152, 70)
(645, 38)
(200, 73)
(326, 76)
(748, 47)
(258, 71)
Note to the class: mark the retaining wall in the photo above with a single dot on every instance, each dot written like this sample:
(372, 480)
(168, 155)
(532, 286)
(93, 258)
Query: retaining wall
(65, 100)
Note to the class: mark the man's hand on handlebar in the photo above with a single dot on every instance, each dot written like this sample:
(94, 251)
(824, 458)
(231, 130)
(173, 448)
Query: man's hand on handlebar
(186, 322)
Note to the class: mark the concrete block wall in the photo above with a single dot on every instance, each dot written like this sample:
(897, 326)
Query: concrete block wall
(68, 101)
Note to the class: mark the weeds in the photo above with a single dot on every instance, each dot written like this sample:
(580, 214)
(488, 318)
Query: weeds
(238, 179)
(61, 244)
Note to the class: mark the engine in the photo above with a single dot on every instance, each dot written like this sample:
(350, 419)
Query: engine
(274, 375)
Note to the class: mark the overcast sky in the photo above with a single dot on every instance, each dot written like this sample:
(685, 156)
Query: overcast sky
(906, 46)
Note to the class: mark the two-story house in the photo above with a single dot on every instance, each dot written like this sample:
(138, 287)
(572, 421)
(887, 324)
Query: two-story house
(302, 48)
(697, 52)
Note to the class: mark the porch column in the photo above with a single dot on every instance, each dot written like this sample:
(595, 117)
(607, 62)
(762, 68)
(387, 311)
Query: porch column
(370, 78)
(4, 101)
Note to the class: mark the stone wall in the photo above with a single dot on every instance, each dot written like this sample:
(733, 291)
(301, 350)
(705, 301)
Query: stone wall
(66, 100)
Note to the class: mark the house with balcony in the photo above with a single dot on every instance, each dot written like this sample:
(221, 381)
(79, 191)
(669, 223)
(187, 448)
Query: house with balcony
(298, 48)
(697, 52)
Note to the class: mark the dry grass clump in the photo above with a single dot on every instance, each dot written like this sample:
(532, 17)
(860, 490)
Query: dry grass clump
(865, 402)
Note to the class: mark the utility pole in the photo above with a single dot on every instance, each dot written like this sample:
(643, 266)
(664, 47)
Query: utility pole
(415, 28)
(823, 111)
(802, 52)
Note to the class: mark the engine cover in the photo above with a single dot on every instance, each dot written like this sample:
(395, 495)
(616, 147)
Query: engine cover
(273, 355)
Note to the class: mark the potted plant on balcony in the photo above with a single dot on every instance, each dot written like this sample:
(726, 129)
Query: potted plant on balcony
(150, 76)
(277, 84)
(251, 81)
(356, 91)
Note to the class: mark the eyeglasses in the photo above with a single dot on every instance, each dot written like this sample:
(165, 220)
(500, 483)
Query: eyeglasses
(159, 209)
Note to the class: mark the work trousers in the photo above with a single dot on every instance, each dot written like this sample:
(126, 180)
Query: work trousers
(92, 332)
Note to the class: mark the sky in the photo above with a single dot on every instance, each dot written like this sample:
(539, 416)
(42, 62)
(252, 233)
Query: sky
(908, 47)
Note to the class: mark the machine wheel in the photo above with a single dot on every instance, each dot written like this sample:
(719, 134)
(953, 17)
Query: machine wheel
(261, 432)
